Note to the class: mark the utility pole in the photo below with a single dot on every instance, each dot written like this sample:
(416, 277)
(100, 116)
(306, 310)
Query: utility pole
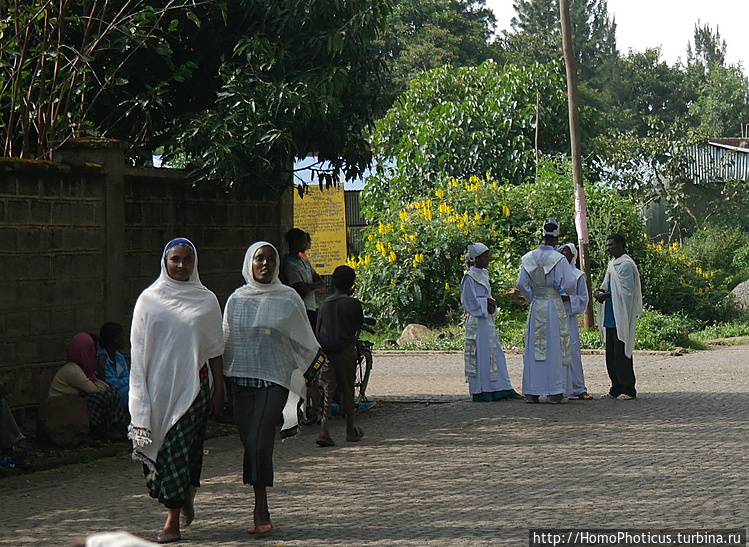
(581, 220)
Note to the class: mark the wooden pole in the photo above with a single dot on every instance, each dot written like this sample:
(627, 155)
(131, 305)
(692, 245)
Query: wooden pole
(581, 221)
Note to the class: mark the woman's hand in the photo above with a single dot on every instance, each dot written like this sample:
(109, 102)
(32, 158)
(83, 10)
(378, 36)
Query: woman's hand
(491, 305)
(216, 406)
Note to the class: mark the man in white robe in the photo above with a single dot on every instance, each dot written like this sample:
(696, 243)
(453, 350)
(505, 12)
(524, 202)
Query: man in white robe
(619, 304)
(575, 304)
(543, 273)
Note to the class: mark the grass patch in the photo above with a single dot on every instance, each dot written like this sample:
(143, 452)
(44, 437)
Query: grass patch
(655, 332)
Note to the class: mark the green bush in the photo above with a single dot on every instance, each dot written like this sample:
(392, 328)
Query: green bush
(672, 282)
(658, 331)
(724, 251)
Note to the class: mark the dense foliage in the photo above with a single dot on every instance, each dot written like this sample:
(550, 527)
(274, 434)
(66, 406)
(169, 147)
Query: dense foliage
(426, 34)
(459, 122)
(236, 90)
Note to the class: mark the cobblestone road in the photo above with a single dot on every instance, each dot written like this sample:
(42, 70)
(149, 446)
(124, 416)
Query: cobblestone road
(453, 473)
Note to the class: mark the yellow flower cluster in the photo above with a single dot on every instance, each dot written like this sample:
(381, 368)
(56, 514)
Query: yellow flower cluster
(383, 249)
(418, 259)
(356, 261)
(423, 207)
(384, 229)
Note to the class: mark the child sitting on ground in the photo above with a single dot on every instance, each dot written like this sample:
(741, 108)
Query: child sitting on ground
(339, 319)
(112, 339)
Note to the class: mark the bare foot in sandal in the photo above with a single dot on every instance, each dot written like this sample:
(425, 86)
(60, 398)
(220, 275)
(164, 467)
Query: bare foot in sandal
(187, 513)
(355, 435)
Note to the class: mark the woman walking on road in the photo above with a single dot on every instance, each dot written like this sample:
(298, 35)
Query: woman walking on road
(269, 348)
(176, 348)
(485, 365)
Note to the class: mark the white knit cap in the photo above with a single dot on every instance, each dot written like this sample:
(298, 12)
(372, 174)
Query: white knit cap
(475, 249)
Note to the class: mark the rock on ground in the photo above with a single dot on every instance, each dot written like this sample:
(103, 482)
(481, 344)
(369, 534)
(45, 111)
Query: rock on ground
(414, 333)
(741, 292)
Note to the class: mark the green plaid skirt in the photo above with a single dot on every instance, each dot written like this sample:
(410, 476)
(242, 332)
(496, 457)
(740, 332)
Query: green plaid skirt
(180, 459)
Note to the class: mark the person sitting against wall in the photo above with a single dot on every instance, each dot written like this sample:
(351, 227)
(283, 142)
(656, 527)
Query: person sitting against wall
(79, 376)
(112, 338)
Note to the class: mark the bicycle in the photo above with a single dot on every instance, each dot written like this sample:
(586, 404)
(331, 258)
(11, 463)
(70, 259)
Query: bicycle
(363, 361)
(310, 415)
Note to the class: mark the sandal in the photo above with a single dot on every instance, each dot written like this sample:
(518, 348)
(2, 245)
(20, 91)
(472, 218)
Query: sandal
(585, 397)
(358, 434)
(167, 538)
(325, 441)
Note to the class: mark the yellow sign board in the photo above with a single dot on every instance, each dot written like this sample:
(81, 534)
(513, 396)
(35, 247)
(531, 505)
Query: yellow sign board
(322, 213)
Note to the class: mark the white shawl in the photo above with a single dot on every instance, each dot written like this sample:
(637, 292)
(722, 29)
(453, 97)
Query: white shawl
(268, 335)
(176, 329)
(626, 299)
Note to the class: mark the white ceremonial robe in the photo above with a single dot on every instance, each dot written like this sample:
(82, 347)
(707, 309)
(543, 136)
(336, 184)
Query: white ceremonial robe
(485, 364)
(541, 276)
(577, 304)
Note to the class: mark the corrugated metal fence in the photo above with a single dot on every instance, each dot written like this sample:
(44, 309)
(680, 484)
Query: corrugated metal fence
(355, 223)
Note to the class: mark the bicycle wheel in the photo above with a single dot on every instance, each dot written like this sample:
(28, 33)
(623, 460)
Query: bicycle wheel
(363, 369)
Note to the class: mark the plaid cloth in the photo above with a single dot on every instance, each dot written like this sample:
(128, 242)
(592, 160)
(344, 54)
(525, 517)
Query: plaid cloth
(180, 459)
(105, 409)
(252, 382)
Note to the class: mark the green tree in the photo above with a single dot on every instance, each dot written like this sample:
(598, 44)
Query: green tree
(303, 79)
(646, 92)
(458, 122)
(426, 34)
(593, 32)
(722, 107)
(709, 50)
(722, 102)
(72, 68)
(236, 90)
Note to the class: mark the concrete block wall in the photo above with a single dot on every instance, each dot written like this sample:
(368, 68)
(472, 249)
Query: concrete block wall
(80, 240)
(221, 225)
(51, 244)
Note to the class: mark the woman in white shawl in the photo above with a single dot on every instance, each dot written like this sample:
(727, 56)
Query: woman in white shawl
(485, 365)
(175, 338)
(270, 348)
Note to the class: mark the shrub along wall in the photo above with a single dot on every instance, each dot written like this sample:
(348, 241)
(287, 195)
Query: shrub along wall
(81, 237)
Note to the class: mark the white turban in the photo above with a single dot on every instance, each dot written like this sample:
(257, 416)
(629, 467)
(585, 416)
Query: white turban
(475, 249)
(554, 232)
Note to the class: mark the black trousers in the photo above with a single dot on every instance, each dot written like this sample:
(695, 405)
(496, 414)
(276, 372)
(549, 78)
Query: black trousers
(257, 412)
(619, 366)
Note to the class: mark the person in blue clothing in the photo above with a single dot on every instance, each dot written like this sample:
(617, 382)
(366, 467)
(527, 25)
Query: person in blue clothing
(112, 338)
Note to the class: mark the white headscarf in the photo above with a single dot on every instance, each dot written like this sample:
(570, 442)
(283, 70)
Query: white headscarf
(474, 250)
(573, 250)
(267, 333)
(176, 329)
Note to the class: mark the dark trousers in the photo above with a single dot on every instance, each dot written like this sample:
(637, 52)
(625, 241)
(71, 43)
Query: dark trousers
(619, 366)
(257, 412)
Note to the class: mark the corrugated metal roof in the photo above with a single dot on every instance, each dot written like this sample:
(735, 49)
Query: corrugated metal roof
(718, 162)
